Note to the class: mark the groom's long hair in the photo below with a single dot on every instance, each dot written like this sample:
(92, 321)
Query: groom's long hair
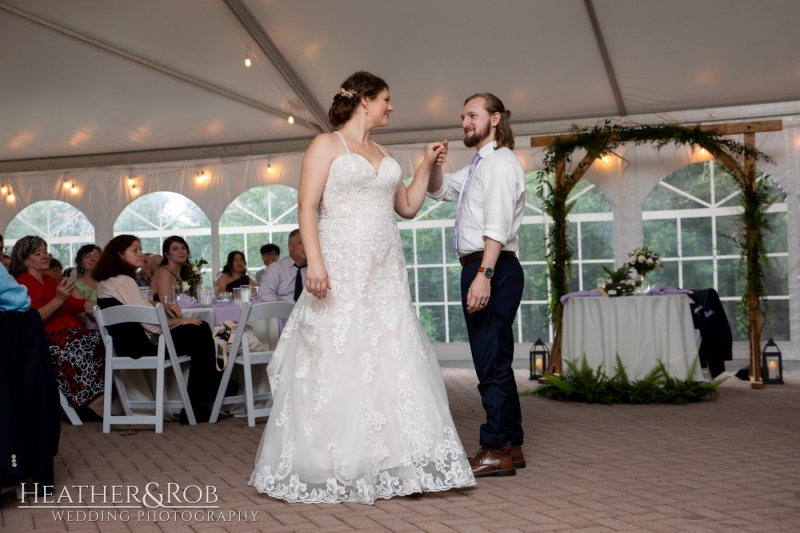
(503, 134)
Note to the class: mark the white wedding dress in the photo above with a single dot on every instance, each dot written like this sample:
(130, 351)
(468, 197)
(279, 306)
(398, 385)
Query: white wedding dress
(360, 410)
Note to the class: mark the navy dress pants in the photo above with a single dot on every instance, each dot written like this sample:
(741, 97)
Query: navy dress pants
(491, 339)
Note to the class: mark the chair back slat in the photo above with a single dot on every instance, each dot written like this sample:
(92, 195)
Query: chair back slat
(269, 310)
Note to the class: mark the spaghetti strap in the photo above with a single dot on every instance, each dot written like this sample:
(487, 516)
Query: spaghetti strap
(379, 148)
(346, 149)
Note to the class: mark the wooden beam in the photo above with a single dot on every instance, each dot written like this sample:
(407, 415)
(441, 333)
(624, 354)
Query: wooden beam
(729, 128)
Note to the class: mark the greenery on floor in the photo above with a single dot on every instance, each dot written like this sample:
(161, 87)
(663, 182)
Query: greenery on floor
(582, 384)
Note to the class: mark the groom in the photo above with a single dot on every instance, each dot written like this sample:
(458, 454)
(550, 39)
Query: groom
(491, 195)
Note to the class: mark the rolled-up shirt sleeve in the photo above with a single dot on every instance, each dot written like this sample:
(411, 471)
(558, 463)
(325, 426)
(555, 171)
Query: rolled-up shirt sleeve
(451, 186)
(500, 195)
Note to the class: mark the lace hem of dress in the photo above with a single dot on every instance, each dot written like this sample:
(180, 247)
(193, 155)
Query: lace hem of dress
(359, 490)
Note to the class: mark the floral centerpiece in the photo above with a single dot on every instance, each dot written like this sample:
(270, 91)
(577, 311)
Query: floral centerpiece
(194, 276)
(644, 260)
(618, 282)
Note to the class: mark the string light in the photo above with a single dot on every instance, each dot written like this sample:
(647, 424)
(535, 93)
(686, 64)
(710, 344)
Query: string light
(4, 189)
(11, 196)
(604, 158)
(135, 190)
(269, 168)
(702, 151)
(67, 184)
(247, 61)
(130, 181)
(74, 189)
(291, 117)
(202, 177)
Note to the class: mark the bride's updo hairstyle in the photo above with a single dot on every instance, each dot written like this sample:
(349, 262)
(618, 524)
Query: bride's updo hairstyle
(361, 84)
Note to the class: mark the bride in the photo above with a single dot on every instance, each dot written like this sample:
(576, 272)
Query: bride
(360, 410)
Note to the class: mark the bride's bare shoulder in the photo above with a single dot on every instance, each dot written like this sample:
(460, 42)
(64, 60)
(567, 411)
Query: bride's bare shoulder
(326, 142)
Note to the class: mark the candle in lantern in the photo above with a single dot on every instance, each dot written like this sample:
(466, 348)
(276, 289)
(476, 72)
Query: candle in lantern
(772, 369)
(539, 367)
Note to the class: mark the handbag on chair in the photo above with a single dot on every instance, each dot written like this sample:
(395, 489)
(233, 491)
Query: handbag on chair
(223, 340)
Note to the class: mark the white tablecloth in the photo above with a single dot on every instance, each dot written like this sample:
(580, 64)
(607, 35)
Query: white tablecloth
(642, 330)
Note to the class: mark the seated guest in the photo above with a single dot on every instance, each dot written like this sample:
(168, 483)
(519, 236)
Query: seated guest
(6, 261)
(144, 274)
(115, 273)
(172, 268)
(78, 353)
(269, 254)
(54, 268)
(234, 273)
(13, 296)
(85, 260)
(285, 278)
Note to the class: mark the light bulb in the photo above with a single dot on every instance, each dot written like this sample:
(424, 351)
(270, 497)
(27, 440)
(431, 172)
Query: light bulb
(4, 189)
(604, 159)
(130, 181)
(74, 189)
(11, 197)
(702, 151)
(202, 177)
(67, 185)
(135, 190)
(269, 168)
(291, 118)
(247, 61)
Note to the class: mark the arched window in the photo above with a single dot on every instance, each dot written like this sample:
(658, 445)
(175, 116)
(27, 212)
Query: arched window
(256, 217)
(434, 272)
(63, 226)
(689, 217)
(156, 216)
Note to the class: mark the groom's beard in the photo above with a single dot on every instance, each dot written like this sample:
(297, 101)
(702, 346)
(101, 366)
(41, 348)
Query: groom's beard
(471, 141)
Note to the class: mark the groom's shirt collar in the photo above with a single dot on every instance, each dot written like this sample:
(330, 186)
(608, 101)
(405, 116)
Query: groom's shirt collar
(488, 150)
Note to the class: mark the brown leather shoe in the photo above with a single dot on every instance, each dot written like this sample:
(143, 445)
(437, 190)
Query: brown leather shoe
(516, 456)
(493, 462)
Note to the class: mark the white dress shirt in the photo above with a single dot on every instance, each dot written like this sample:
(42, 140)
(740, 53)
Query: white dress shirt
(277, 285)
(260, 274)
(493, 203)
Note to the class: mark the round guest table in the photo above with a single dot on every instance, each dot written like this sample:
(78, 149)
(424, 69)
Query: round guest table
(642, 330)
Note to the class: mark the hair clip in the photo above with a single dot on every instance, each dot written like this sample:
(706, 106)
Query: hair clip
(348, 94)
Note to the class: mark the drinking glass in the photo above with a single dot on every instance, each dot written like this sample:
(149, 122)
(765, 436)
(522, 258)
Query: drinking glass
(147, 294)
(225, 296)
(167, 299)
(245, 291)
(254, 292)
(205, 295)
(237, 296)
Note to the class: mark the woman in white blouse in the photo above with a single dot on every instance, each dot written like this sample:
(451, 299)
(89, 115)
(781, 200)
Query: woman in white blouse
(116, 273)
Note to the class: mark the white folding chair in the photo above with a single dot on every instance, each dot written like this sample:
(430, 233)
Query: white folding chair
(146, 315)
(70, 412)
(250, 314)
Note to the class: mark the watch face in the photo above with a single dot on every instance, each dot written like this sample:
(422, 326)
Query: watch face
(488, 272)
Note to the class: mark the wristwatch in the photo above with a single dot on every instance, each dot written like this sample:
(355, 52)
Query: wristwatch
(488, 272)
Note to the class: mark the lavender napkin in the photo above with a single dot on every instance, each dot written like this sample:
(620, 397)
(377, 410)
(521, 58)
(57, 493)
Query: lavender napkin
(659, 290)
(580, 294)
(186, 302)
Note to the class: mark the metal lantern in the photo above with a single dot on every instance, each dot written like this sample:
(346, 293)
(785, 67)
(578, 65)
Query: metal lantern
(538, 355)
(772, 364)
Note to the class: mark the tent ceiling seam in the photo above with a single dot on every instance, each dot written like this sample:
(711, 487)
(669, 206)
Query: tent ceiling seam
(254, 28)
(156, 66)
(601, 43)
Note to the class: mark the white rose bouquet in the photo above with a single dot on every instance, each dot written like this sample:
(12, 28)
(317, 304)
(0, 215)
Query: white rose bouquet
(644, 260)
(194, 276)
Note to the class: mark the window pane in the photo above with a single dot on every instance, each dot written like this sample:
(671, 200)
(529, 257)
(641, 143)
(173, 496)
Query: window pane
(698, 274)
(535, 282)
(663, 199)
(429, 246)
(531, 198)
(573, 283)
(458, 328)
(283, 203)
(432, 319)
(62, 253)
(661, 236)
(454, 284)
(777, 241)
(696, 237)
(726, 232)
(450, 257)
(151, 245)
(254, 243)
(227, 244)
(535, 323)
(727, 274)
(731, 314)
(281, 238)
(597, 240)
(776, 276)
(592, 201)
(724, 186)
(200, 246)
(532, 242)
(592, 271)
(778, 327)
(441, 211)
(431, 284)
(667, 276)
(694, 179)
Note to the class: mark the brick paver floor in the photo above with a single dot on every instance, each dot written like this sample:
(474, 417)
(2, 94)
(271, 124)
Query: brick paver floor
(731, 465)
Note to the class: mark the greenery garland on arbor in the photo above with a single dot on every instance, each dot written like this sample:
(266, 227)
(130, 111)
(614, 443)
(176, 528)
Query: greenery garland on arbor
(556, 183)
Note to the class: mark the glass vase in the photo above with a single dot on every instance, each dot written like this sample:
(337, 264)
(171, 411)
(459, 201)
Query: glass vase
(642, 284)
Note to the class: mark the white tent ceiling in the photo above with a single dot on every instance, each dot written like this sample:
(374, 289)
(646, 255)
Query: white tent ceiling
(60, 96)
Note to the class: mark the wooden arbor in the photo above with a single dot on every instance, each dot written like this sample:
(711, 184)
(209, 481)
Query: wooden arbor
(739, 159)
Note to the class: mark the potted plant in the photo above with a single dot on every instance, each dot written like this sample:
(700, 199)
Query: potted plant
(618, 282)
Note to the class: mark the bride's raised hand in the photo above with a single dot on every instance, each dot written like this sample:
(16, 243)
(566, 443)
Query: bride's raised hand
(433, 153)
(317, 281)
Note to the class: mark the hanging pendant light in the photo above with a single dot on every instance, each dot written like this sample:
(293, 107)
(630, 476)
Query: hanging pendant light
(247, 61)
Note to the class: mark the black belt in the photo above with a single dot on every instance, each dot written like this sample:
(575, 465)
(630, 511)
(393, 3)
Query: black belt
(469, 258)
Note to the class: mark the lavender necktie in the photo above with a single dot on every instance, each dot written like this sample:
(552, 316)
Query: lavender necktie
(475, 161)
